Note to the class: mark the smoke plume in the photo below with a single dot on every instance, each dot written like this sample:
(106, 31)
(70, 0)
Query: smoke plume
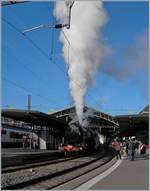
(86, 50)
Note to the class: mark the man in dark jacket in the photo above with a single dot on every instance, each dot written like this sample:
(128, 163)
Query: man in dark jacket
(131, 149)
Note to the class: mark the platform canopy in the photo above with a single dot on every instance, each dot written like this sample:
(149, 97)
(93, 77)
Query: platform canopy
(97, 119)
(33, 117)
(131, 124)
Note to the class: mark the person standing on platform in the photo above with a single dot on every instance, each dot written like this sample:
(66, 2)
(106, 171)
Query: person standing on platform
(136, 148)
(131, 150)
(124, 149)
(28, 141)
(34, 143)
(127, 147)
(117, 147)
(24, 141)
(143, 148)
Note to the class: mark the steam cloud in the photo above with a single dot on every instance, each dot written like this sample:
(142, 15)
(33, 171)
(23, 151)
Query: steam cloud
(86, 50)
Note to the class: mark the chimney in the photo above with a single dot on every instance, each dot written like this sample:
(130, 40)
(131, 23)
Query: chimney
(29, 103)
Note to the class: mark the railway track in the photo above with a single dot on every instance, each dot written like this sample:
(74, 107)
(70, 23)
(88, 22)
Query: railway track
(36, 164)
(8, 162)
(53, 175)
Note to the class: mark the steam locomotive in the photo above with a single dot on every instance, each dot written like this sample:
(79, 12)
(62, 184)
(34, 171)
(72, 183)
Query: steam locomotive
(80, 139)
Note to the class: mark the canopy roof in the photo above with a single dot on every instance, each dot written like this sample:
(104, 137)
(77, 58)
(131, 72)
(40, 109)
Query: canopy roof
(34, 117)
(97, 118)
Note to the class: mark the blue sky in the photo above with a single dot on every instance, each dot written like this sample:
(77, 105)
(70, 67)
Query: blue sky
(121, 84)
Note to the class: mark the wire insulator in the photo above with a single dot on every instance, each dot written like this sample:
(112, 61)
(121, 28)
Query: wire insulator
(58, 26)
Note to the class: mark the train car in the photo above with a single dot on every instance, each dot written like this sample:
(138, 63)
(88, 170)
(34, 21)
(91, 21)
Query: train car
(12, 136)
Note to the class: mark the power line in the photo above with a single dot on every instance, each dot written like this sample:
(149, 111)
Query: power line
(15, 84)
(45, 54)
(35, 45)
(33, 73)
(52, 34)
(26, 106)
(26, 90)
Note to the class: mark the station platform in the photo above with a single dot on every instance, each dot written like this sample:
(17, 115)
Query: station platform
(124, 175)
(118, 175)
(18, 156)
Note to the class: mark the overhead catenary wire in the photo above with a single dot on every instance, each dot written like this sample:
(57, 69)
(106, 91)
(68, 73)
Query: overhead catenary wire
(53, 21)
(26, 90)
(33, 74)
(52, 59)
(34, 44)
(44, 53)
(26, 106)
(52, 52)
(38, 95)
(12, 106)
(37, 47)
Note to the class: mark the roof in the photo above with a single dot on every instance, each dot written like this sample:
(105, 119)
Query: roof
(145, 110)
(35, 117)
(132, 124)
(142, 116)
(135, 118)
(60, 117)
(90, 112)
(60, 110)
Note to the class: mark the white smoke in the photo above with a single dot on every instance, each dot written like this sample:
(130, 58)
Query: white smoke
(87, 114)
(72, 124)
(86, 47)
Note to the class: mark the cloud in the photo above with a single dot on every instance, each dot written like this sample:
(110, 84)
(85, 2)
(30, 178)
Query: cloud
(130, 63)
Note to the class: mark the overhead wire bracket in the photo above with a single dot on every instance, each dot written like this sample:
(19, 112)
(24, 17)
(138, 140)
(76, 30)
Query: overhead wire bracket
(69, 4)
